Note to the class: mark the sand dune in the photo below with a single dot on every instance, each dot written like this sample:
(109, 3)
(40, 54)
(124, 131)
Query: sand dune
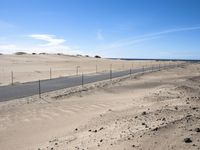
(154, 111)
(34, 67)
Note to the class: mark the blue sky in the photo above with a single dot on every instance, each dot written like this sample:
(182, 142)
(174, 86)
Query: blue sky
(110, 28)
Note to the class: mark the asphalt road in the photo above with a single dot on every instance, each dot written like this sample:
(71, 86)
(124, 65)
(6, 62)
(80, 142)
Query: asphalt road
(11, 92)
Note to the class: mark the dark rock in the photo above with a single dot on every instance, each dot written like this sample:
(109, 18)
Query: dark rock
(101, 128)
(144, 113)
(187, 140)
(197, 129)
(155, 129)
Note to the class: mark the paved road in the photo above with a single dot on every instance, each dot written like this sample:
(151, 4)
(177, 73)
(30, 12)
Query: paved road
(10, 92)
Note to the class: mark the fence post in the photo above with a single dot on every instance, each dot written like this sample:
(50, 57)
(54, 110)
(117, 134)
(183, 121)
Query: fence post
(82, 79)
(152, 68)
(159, 67)
(50, 74)
(111, 72)
(77, 67)
(130, 73)
(143, 69)
(39, 89)
(12, 77)
(96, 68)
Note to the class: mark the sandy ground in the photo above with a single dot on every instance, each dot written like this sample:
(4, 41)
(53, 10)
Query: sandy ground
(154, 111)
(34, 67)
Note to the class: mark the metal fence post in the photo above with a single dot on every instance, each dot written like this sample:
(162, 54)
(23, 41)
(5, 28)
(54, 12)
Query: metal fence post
(50, 74)
(111, 72)
(123, 67)
(77, 67)
(12, 77)
(82, 79)
(39, 89)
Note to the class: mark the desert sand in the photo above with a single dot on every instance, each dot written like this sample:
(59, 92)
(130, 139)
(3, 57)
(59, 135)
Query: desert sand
(154, 111)
(29, 67)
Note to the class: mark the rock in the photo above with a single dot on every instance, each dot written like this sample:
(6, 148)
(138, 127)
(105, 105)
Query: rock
(190, 129)
(76, 129)
(163, 119)
(155, 129)
(144, 113)
(101, 140)
(133, 145)
(197, 129)
(187, 140)
(101, 128)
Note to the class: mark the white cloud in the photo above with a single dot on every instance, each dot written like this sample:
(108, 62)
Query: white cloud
(6, 48)
(4, 24)
(53, 45)
(12, 48)
(50, 39)
(145, 37)
(100, 35)
(127, 42)
(172, 31)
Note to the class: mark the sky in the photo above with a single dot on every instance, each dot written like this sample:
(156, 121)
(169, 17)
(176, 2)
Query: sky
(110, 28)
